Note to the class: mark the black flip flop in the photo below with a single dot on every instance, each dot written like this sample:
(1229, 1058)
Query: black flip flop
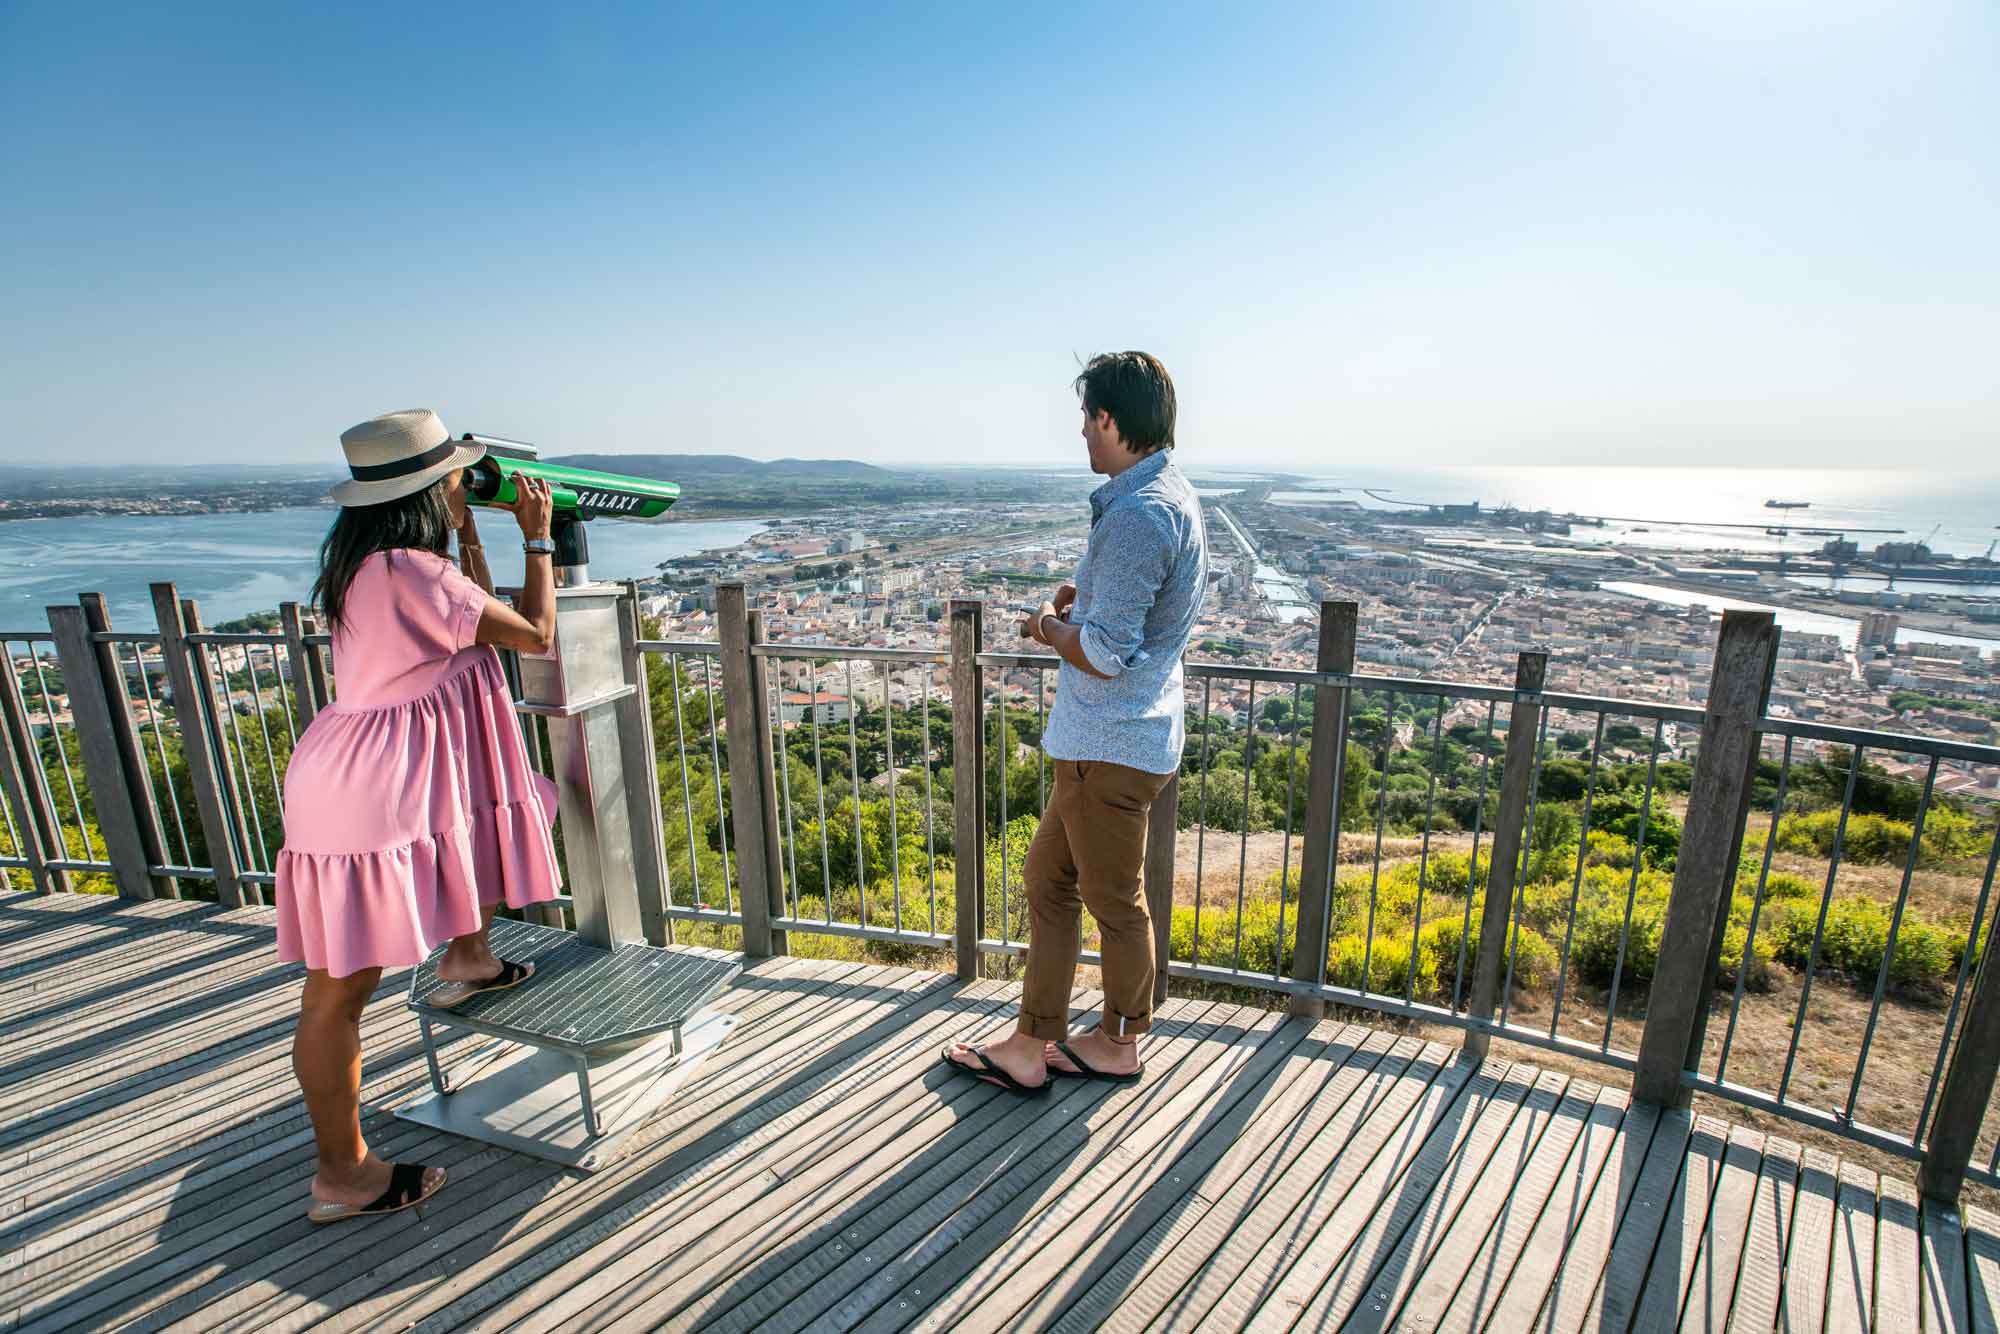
(511, 974)
(406, 1188)
(1084, 1071)
(1005, 1080)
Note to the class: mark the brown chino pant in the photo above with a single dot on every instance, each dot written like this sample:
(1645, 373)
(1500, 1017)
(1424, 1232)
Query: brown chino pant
(1092, 839)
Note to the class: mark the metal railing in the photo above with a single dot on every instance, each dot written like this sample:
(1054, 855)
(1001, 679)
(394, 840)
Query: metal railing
(1576, 873)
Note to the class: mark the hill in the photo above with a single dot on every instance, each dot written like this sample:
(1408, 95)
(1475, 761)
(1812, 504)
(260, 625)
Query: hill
(690, 469)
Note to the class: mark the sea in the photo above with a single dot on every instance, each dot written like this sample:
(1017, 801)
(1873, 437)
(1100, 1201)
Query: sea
(233, 564)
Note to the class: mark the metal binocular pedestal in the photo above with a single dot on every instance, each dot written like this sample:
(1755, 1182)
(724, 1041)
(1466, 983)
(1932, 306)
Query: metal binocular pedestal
(609, 1026)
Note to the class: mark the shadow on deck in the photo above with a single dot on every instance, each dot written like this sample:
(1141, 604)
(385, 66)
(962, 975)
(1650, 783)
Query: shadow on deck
(824, 1171)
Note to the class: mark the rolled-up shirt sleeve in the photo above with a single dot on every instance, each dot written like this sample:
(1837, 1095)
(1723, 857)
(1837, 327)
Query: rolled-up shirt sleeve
(1132, 557)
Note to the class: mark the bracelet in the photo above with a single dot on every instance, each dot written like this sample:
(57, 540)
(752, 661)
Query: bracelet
(1038, 626)
(539, 546)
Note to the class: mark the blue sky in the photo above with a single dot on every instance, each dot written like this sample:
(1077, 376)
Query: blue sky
(1471, 232)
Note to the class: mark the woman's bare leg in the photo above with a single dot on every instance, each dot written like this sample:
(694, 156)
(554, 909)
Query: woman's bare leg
(326, 1056)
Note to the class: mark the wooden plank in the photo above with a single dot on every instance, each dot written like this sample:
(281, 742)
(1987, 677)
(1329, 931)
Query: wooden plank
(1761, 1276)
(954, 1261)
(1850, 1298)
(1809, 1255)
(293, 1261)
(790, 1288)
(111, 787)
(1942, 1255)
(1401, 1171)
(206, 771)
(740, 1100)
(1665, 1219)
(1982, 1263)
(817, 1147)
(1711, 1250)
(1093, 1222)
(1577, 1224)
(1405, 1096)
(1898, 1258)
(1382, 1263)
(1455, 1222)
(27, 788)
(1163, 1259)
(1474, 1268)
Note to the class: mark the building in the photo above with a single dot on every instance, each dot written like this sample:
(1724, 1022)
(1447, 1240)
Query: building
(797, 706)
(1878, 629)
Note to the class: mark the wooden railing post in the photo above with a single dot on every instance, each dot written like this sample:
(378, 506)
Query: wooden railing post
(131, 745)
(103, 762)
(1161, 827)
(767, 779)
(305, 699)
(1326, 765)
(203, 763)
(741, 708)
(968, 769)
(1705, 872)
(642, 776)
(21, 769)
(1517, 772)
(1968, 1086)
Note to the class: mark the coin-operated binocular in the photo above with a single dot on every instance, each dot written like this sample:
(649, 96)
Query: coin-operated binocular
(579, 495)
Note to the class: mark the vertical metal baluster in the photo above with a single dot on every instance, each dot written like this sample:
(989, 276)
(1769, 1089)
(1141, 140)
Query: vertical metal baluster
(1424, 860)
(262, 860)
(715, 760)
(1201, 815)
(1576, 885)
(1243, 855)
(264, 726)
(285, 695)
(1958, 991)
(62, 751)
(160, 746)
(1756, 910)
(1889, 946)
(1042, 723)
(1632, 890)
(895, 827)
(687, 795)
(1002, 736)
(819, 783)
(1521, 879)
(1381, 819)
(930, 811)
(785, 769)
(1819, 928)
(854, 770)
(1285, 861)
(1472, 873)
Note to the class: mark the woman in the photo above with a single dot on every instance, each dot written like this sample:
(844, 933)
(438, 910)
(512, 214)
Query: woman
(410, 808)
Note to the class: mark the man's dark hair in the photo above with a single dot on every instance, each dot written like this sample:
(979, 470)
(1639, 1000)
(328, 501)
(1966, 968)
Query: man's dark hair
(1138, 393)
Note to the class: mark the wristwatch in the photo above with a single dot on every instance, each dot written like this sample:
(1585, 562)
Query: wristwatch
(539, 546)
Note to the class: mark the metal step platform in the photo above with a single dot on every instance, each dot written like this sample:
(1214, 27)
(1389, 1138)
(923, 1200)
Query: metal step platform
(583, 1051)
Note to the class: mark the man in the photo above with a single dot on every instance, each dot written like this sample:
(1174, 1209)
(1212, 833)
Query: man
(1114, 734)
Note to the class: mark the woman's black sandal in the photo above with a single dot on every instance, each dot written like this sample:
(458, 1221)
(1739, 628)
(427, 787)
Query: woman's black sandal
(406, 1188)
(511, 974)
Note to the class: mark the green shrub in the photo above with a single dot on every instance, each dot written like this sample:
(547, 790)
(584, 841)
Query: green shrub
(1388, 965)
(1857, 933)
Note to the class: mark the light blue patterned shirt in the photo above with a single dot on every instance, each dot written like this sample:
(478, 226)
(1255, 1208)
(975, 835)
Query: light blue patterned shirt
(1138, 591)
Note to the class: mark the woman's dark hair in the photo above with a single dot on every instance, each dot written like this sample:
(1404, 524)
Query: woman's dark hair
(420, 521)
(1138, 393)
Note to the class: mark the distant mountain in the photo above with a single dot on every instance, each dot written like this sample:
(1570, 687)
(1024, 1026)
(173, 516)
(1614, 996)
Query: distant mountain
(689, 469)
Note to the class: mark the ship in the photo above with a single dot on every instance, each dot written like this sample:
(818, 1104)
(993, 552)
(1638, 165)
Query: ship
(1787, 504)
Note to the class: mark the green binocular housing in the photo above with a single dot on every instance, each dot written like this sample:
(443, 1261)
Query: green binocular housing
(577, 493)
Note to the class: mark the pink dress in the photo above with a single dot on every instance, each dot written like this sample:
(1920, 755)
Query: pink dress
(409, 802)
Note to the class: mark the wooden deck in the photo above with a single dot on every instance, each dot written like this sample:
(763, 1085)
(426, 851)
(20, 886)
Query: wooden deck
(825, 1172)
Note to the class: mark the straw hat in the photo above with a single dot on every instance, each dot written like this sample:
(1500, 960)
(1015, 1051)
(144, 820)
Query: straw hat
(399, 454)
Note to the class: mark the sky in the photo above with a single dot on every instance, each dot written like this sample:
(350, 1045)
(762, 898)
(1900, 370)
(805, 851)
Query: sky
(1608, 231)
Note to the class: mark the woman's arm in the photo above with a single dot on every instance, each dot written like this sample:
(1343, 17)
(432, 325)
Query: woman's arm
(530, 626)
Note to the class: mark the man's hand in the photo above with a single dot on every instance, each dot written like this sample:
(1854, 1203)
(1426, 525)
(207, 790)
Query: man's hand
(1065, 594)
(1032, 627)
